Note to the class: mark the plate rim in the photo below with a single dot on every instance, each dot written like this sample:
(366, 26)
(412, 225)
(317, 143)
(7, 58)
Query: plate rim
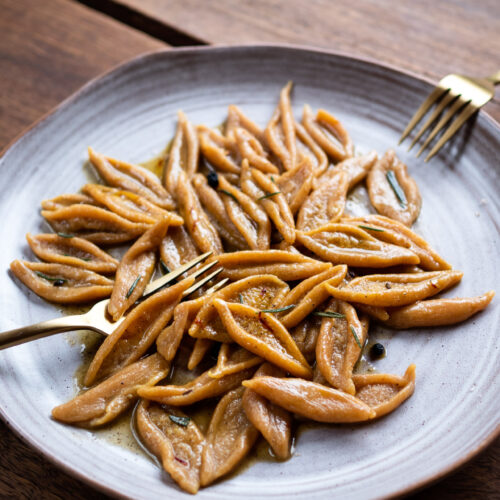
(122, 66)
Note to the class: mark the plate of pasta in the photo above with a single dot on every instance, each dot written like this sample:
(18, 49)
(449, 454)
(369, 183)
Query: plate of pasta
(351, 348)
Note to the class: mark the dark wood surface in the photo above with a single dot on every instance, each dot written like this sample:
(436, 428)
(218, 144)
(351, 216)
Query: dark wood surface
(429, 37)
(49, 48)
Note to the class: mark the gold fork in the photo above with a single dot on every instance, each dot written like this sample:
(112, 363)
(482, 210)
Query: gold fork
(97, 319)
(465, 96)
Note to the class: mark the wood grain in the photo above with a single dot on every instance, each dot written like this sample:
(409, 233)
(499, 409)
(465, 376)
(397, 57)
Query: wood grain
(431, 38)
(49, 49)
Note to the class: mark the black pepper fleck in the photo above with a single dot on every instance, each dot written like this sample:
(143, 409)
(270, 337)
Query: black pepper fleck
(377, 351)
(213, 180)
(388, 286)
(59, 282)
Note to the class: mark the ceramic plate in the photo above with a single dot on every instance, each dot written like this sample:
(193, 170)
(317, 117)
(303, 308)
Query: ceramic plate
(130, 113)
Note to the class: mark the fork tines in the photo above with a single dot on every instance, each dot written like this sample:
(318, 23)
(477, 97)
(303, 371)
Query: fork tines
(454, 95)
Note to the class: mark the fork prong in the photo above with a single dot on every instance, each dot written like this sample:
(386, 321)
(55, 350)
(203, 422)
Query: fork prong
(433, 96)
(436, 112)
(217, 286)
(444, 120)
(465, 114)
(204, 269)
(200, 283)
(164, 280)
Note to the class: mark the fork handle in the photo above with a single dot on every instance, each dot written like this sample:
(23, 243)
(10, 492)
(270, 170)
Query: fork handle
(494, 78)
(43, 329)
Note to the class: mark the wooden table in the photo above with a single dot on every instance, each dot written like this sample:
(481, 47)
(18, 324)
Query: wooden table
(49, 48)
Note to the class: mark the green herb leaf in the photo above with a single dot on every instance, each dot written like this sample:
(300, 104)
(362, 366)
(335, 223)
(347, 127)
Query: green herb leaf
(268, 195)
(66, 235)
(182, 421)
(49, 278)
(229, 194)
(398, 191)
(356, 338)
(329, 314)
(241, 298)
(134, 284)
(371, 228)
(281, 309)
(164, 267)
(272, 179)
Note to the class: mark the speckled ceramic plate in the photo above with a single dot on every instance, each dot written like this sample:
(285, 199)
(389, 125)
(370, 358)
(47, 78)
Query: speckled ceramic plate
(130, 113)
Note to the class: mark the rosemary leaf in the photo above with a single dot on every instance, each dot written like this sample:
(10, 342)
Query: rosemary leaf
(272, 179)
(241, 298)
(328, 314)
(182, 421)
(49, 278)
(371, 228)
(356, 338)
(281, 309)
(229, 194)
(164, 267)
(398, 191)
(66, 235)
(268, 195)
(134, 284)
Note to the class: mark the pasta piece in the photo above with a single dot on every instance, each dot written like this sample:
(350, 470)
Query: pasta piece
(71, 251)
(253, 151)
(183, 154)
(393, 290)
(392, 191)
(177, 248)
(175, 440)
(135, 270)
(264, 291)
(328, 133)
(346, 244)
(356, 168)
(202, 387)
(274, 422)
(220, 151)
(395, 232)
(274, 203)
(378, 313)
(237, 119)
(66, 200)
(296, 184)
(305, 335)
(196, 220)
(339, 345)
(288, 266)
(131, 178)
(437, 312)
(104, 402)
(326, 203)
(200, 348)
(262, 334)
(95, 224)
(230, 437)
(214, 206)
(308, 148)
(309, 294)
(60, 283)
(311, 400)
(233, 359)
(136, 333)
(249, 218)
(280, 131)
(382, 392)
(170, 337)
(130, 205)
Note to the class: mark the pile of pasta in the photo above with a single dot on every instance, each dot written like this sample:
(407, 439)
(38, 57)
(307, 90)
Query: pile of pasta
(281, 339)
